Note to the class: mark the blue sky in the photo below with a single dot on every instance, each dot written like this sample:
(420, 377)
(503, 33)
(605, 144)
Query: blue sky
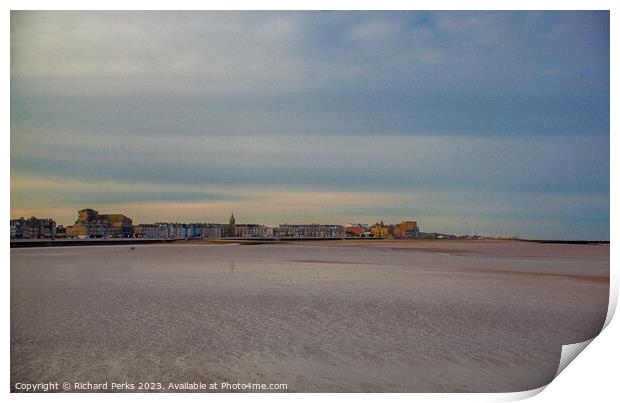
(496, 122)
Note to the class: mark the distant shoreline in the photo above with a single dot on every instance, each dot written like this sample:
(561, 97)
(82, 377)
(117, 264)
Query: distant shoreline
(36, 243)
(579, 242)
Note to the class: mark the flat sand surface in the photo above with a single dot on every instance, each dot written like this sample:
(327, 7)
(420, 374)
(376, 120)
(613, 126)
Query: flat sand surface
(443, 316)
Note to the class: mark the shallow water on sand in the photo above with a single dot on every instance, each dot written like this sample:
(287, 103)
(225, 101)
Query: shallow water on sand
(319, 316)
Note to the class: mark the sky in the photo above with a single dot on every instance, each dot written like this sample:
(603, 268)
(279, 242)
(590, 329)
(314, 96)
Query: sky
(489, 122)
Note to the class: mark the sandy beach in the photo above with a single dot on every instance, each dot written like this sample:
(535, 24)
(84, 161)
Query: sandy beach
(479, 316)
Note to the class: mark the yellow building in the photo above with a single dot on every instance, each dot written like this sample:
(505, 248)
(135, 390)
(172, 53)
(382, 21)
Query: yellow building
(379, 231)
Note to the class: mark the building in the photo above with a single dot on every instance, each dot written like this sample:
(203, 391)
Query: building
(310, 231)
(146, 231)
(33, 228)
(232, 231)
(211, 231)
(172, 230)
(354, 231)
(61, 232)
(91, 224)
(379, 230)
(407, 230)
(192, 230)
(250, 230)
(270, 232)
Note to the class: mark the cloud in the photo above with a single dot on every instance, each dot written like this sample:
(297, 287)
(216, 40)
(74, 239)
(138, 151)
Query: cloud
(538, 163)
(184, 112)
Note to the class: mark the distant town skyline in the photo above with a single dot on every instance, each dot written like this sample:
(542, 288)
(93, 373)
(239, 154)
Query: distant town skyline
(92, 224)
(492, 122)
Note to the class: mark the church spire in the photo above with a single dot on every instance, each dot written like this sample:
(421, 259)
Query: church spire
(231, 225)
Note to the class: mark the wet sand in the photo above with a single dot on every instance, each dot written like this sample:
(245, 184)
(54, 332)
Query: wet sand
(349, 316)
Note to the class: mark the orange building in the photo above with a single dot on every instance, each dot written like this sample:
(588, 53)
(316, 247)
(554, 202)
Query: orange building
(407, 230)
(354, 231)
